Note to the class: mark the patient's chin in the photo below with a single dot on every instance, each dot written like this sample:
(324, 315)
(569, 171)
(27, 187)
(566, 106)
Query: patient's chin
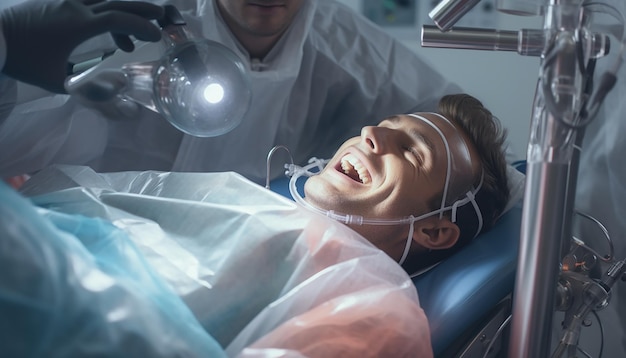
(320, 194)
(315, 187)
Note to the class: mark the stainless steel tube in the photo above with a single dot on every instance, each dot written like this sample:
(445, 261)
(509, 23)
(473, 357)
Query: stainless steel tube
(470, 38)
(526, 42)
(545, 202)
(540, 247)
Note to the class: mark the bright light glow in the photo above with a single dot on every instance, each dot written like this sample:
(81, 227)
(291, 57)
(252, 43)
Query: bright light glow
(214, 93)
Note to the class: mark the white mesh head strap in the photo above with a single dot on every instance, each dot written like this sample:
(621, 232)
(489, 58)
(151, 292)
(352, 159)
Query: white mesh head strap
(463, 166)
(409, 240)
(459, 159)
(470, 196)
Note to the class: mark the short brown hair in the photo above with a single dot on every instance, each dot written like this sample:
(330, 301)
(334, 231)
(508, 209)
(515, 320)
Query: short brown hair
(488, 137)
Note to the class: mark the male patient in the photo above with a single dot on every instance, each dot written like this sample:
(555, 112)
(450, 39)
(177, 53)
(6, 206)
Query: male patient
(262, 273)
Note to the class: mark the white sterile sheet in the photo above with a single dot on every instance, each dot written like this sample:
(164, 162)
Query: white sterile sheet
(263, 276)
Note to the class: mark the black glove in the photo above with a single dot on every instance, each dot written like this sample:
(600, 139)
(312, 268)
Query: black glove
(40, 36)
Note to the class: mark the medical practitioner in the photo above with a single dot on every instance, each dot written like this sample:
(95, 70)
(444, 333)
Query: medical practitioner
(319, 72)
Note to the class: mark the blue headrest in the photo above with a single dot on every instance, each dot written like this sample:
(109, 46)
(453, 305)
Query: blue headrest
(463, 289)
(281, 186)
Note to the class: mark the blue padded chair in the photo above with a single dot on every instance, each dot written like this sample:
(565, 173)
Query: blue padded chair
(467, 297)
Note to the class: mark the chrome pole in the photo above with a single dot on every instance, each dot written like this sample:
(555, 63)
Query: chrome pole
(564, 44)
(550, 148)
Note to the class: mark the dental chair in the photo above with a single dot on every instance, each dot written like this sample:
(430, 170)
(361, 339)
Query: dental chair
(467, 298)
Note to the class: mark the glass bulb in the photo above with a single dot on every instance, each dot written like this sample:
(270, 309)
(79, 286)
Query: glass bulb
(202, 88)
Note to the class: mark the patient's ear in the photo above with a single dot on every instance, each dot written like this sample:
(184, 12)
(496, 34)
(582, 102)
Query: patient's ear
(436, 233)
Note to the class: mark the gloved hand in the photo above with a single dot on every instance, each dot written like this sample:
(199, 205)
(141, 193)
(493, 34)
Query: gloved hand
(40, 36)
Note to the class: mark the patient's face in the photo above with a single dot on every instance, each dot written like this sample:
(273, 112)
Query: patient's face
(390, 171)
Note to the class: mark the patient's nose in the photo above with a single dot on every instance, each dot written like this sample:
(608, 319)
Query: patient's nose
(375, 138)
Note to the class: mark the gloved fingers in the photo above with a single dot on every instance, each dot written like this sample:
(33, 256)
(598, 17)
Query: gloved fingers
(146, 10)
(123, 42)
(121, 17)
(123, 24)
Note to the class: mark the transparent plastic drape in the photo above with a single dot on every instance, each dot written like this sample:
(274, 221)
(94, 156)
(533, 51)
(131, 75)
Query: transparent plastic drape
(69, 288)
(261, 275)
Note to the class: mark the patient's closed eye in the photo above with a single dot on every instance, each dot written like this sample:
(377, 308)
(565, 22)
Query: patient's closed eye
(415, 155)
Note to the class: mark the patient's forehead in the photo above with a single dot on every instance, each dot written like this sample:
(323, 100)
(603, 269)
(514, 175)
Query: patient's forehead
(415, 125)
(467, 163)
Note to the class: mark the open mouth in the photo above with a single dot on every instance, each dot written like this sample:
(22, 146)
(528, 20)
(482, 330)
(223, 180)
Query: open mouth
(354, 169)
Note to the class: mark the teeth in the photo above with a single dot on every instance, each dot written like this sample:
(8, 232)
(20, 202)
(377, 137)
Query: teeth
(353, 168)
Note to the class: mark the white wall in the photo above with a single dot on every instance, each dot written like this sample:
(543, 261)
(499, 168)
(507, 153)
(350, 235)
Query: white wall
(503, 81)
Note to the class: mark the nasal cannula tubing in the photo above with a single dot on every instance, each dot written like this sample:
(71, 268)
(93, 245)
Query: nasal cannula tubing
(296, 172)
